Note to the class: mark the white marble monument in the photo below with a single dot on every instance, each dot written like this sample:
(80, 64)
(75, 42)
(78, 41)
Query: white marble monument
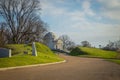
(34, 51)
(54, 43)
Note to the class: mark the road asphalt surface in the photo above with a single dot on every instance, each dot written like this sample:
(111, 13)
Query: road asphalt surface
(76, 68)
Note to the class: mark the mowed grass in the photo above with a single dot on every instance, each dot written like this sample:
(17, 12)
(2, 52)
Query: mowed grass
(114, 60)
(45, 55)
(93, 52)
(96, 53)
(18, 49)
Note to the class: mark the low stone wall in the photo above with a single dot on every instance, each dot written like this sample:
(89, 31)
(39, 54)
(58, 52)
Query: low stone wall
(5, 52)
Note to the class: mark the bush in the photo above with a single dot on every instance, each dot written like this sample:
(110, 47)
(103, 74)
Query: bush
(77, 51)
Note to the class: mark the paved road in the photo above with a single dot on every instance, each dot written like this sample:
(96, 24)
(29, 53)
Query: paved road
(75, 68)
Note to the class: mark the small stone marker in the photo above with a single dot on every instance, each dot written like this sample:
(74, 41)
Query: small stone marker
(5, 52)
(34, 51)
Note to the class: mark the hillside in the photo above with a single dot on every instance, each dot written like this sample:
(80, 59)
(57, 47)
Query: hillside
(45, 55)
(93, 52)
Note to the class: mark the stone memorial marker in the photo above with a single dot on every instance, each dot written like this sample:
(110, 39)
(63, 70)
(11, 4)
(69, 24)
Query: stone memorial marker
(5, 52)
(34, 51)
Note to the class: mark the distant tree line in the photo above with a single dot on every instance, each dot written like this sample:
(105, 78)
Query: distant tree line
(112, 46)
(85, 44)
(20, 21)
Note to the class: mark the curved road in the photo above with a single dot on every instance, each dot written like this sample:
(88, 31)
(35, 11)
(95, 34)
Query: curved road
(75, 68)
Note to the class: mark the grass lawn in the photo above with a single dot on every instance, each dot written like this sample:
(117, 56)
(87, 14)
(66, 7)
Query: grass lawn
(99, 53)
(45, 55)
(95, 53)
(114, 60)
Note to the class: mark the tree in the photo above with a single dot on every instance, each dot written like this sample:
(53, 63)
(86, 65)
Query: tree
(85, 44)
(67, 42)
(113, 45)
(117, 44)
(100, 46)
(71, 45)
(22, 19)
(2, 35)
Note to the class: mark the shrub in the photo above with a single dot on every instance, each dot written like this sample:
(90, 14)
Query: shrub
(77, 51)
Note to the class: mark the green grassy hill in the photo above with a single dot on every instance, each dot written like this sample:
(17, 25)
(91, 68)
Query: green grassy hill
(18, 49)
(93, 52)
(45, 55)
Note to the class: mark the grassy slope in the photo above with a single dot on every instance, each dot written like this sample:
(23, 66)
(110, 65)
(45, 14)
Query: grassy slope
(19, 48)
(45, 55)
(93, 52)
(97, 53)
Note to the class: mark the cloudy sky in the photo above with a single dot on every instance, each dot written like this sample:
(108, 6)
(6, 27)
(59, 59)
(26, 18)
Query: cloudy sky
(96, 21)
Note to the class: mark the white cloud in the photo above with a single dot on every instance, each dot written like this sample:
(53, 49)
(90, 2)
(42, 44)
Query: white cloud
(76, 25)
(95, 32)
(77, 16)
(48, 8)
(87, 8)
(112, 14)
(111, 3)
(86, 5)
(111, 9)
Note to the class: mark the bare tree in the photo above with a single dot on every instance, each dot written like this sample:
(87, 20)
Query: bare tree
(113, 45)
(22, 19)
(71, 45)
(67, 42)
(3, 39)
(85, 44)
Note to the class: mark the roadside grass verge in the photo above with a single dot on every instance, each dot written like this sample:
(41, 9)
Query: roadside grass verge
(45, 55)
(95, 53)
(114, 60)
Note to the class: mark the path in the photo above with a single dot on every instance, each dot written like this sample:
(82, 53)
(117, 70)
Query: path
(75, 68)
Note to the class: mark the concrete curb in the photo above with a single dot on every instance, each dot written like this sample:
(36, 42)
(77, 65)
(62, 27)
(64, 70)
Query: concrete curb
(9, 68)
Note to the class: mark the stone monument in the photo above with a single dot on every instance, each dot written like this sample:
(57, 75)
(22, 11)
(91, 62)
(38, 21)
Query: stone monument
(5, 52)
(34, 51)
(53, 42)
